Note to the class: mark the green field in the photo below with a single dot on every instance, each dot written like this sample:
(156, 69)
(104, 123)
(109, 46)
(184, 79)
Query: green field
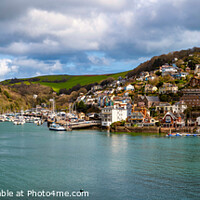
(70, 80)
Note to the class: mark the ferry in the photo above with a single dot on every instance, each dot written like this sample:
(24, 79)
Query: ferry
(56, 127)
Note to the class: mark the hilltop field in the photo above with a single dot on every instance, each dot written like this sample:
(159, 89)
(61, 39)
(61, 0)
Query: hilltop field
(57, 82)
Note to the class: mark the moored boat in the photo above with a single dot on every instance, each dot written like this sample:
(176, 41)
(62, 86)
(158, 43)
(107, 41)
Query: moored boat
(182, 134)
(56, 127)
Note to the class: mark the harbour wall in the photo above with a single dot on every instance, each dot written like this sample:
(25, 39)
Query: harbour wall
(151, 129)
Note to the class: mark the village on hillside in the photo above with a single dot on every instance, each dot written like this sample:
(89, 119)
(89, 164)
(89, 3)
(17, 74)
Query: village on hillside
(168, 98)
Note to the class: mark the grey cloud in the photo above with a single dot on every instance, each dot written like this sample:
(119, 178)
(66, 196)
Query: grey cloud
(123, 30)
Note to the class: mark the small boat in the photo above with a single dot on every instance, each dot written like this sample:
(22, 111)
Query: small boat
(18, 122)
(174, 135)
(56, 127)
(182, 134)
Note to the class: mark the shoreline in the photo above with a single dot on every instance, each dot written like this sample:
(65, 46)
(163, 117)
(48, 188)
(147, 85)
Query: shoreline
(136, 131)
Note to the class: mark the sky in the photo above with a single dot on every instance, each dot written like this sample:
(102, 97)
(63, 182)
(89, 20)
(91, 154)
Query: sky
(43, 37)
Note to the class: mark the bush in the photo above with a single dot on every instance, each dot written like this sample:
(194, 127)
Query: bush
(81, 107)
(158, 73)
(159, 84)
(6, 94)
(107, 81)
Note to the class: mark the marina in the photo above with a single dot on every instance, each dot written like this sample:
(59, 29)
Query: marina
(61, 125)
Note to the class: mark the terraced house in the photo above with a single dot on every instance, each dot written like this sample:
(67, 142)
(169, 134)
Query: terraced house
(168, 88)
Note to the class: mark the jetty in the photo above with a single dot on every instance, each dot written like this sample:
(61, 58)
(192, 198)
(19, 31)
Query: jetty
(77, 125)
(86, 124)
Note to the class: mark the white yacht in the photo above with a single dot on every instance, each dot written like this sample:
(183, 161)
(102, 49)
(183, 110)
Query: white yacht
(19, 121)
(56, 127)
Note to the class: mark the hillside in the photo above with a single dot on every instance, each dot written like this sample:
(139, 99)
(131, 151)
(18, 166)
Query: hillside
(57, 82)
(21, 97)
(157, 61)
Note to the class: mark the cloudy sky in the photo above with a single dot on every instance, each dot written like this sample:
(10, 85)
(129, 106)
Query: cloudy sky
(91, 36)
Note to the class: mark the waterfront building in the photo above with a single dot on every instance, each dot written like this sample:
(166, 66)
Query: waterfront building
(136, 117)
(112, 114)
(198, 121)
(173, 120)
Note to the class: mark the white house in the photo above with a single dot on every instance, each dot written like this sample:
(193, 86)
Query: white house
(168, 69)
(96, 87)
(183, 74)
(139, 79)
(119, 89)
(112, 114)
(179, 107)
(129, 87)
(198, 121)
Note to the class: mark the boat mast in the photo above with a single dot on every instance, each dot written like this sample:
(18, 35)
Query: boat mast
(53, 105)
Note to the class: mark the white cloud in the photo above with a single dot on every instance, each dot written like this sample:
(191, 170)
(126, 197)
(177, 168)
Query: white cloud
(39, 66)
(28, 67)
(7, 67)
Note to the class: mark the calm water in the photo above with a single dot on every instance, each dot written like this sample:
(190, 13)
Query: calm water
(108, 166)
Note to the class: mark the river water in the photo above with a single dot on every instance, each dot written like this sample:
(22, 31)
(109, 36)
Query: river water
(108, 166)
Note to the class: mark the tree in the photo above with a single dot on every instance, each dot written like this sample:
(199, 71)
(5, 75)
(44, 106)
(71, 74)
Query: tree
(164, 97)
(159, 84)
(192, 65)
(168, 79)
(158, 73)
(93, 109)
(158, 62)
(82, 90)
(155, 81)
(81, 107)
(73, 95)
(107, 81)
